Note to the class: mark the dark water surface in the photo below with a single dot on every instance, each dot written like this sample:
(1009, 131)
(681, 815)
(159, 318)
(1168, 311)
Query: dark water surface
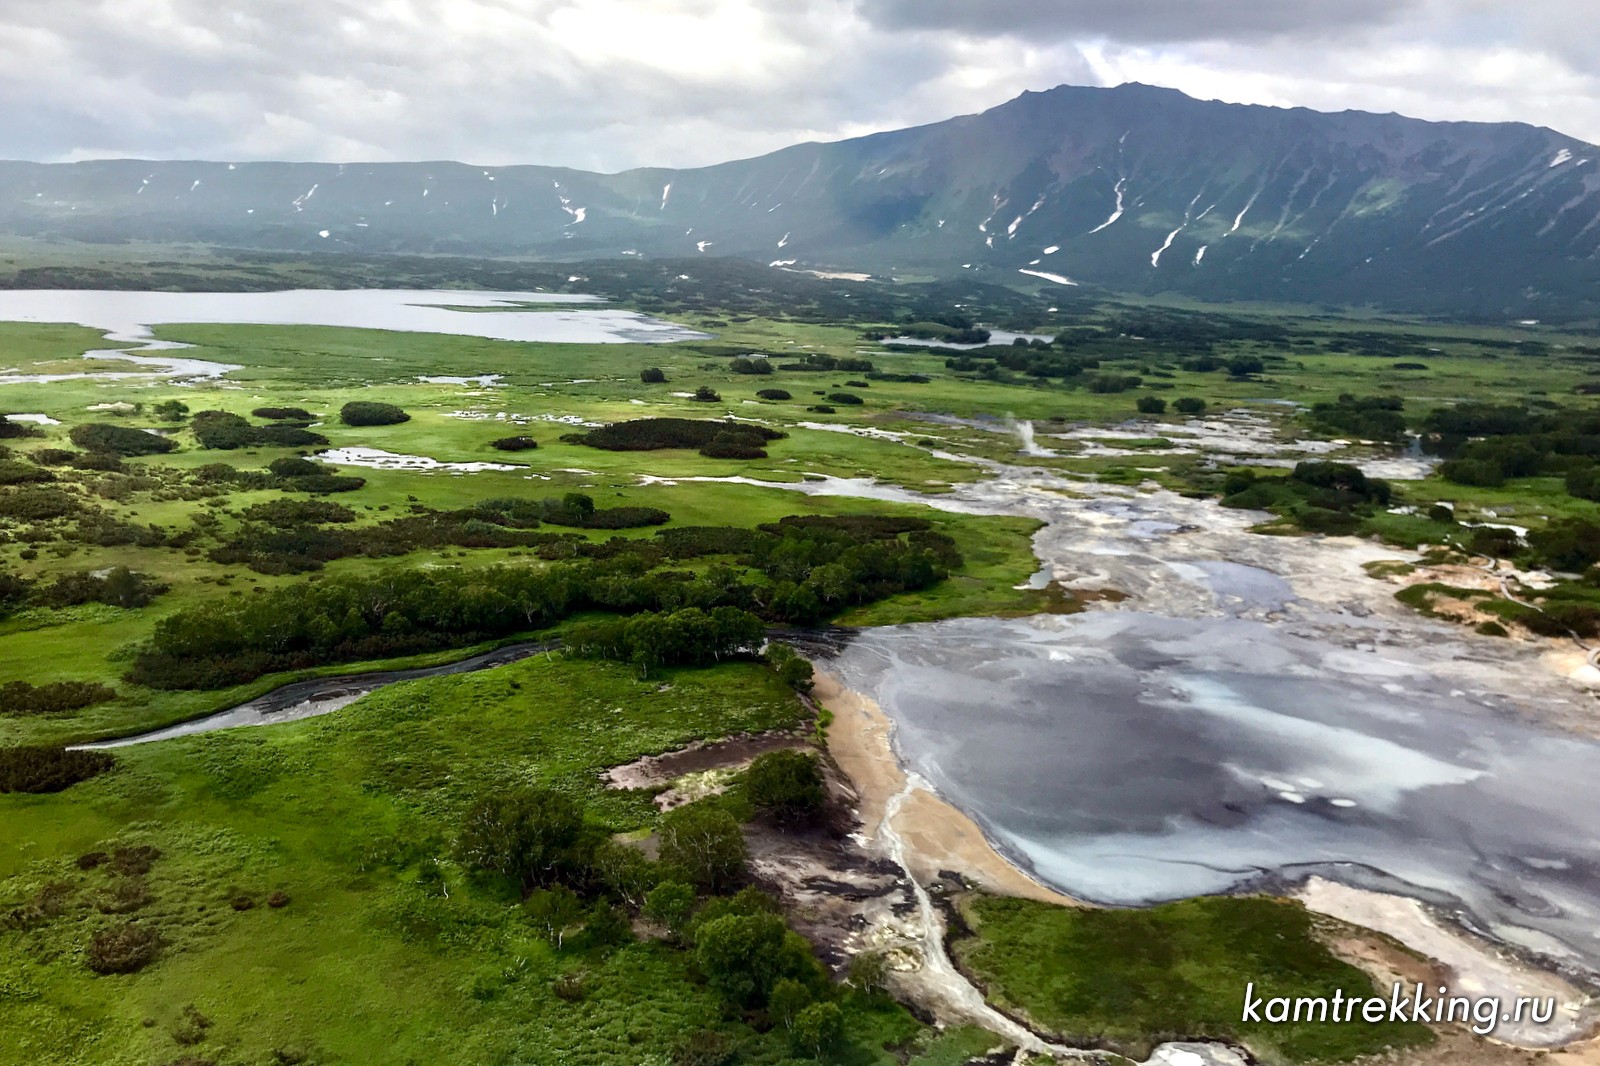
(1129, 758)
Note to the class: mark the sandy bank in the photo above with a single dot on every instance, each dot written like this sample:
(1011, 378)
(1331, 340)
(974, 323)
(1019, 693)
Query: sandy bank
(936, 836)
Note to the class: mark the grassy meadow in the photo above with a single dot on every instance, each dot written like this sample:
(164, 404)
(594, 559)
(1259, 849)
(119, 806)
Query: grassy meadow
(382, 946)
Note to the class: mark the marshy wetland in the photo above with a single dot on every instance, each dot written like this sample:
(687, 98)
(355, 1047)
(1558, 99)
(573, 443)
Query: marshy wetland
(1147, 654)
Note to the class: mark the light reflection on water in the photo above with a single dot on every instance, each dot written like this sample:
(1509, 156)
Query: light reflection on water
(1129, 758)
(127, 317)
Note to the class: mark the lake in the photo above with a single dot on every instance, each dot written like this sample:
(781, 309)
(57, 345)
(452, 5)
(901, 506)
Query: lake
(127, 318)
(1127, 758)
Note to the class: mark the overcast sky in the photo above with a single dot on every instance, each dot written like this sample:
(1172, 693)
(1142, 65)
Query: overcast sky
(609, 84)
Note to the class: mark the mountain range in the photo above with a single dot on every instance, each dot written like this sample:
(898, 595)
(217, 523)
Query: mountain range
(1134, 189)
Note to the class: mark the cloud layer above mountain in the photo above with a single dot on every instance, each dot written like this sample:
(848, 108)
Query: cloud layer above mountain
(608, 84)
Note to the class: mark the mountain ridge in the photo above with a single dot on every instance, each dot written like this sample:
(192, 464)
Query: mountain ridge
(1136, 188)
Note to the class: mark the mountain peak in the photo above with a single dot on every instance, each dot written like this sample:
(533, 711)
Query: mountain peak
(1133, 187)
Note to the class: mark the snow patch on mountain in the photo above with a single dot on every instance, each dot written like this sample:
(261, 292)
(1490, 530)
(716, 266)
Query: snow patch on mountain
(1121, 184)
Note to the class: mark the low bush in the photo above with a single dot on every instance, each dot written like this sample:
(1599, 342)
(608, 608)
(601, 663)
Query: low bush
(124, 949)
(133, 860)
(298, 414)
(786, 786)
(514, 444)
(119, 440)
(1189, 405)
(653, 375)
(43, 768)
(10, 430)
(226, 431)
(845, 399)
(706, 394)
(735, 443)
(285, 513)
(287, 436)
(295, 466)
(1151, 405)
(108, 462)
(222, 430)
(1110, 383)
(37, 503)
(369, 413)
(123, 897)
(325, 484)
(117, 587)
(19, 699)
(16, 472)
(650, 434)
(774, 394)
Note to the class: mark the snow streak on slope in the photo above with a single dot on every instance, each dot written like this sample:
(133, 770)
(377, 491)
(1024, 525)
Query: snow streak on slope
(1248, 205)
(1121, 184)
(1155, 258)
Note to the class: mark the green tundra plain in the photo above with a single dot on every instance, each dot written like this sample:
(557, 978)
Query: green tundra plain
(321, 891)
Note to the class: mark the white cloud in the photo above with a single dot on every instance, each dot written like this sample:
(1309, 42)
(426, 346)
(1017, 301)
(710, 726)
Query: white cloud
(608, 84)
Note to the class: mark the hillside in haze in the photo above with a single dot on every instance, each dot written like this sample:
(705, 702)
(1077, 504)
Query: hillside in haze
(1133, 188)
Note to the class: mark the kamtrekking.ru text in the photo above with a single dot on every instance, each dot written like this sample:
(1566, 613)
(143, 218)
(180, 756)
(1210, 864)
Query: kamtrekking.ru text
(1482, 1013)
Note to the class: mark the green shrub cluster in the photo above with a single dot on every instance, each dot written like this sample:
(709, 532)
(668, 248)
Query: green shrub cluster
(687, 637)
(17, 472)
(10, 430)
(1321, 497)
(20, 699)
(369, 413)
(1365, 417)
(297, 512)
(1486, 445)
(42, 768)
(116, 587)
(818, 363)
(797, 571)
(126, 948)
(786, 786)
(119, 440)
(651, 434)
(37, 503)
(226, 431)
